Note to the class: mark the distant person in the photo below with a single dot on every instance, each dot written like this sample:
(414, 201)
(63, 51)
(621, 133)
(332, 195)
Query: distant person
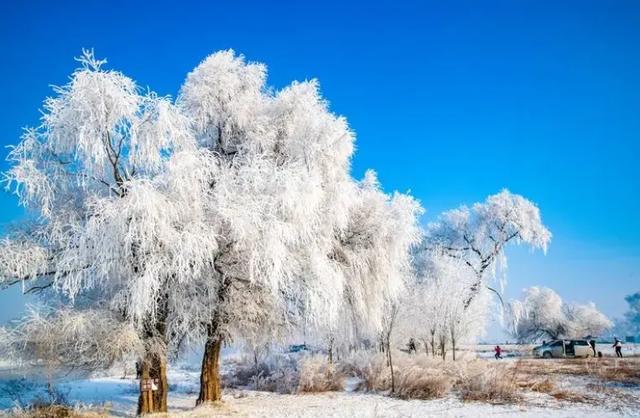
(498, 351)
(592, 343)
(617, 344)
(412, 345)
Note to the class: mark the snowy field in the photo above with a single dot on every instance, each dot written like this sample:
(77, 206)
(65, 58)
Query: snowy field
(116, 395)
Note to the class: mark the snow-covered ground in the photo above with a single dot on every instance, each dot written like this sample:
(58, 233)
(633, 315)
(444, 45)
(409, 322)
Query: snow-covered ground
(118, 396)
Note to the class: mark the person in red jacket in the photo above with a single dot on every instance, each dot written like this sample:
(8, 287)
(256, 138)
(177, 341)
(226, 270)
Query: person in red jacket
(498, 351)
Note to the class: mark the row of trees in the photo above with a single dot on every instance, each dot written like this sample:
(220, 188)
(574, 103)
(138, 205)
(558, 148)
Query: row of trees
(230, 214)
(459, 270)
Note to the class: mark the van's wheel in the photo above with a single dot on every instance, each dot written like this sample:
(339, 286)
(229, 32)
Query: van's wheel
(546, 354)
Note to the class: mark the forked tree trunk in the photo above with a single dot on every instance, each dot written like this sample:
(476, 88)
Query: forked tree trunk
(154, 367)
(210, 386)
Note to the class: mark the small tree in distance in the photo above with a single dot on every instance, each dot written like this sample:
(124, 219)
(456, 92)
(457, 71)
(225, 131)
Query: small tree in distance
(542, 313)
(478, 235)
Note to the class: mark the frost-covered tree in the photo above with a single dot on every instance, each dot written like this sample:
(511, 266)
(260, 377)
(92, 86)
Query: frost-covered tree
(228, 214)
(106, 178)
(292, 226)
(478, 235)
(435, 310)
(70, 339)
(542, 312)
(374, 261)
(278, 165)
(630, 324)
(633, 314)
(586, 320)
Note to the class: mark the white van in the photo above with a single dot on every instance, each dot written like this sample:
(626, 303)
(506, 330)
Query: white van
(563, 349)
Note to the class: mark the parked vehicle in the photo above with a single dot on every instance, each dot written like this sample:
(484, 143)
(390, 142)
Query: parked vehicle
(563, 349)
(296, 348)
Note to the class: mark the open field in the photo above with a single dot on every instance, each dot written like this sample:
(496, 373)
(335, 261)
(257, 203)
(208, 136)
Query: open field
(519, 386)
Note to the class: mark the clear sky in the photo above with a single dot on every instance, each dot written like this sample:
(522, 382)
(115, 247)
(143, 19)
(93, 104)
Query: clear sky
(452, 100)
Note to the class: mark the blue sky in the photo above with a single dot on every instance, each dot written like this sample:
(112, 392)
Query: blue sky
(452, 100)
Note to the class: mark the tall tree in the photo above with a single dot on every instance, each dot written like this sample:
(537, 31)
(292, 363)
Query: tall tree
(288, 216)
(109, 216)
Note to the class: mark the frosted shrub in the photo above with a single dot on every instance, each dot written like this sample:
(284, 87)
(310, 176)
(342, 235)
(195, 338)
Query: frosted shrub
(278, 373)
(318, 375)
(425, 377)
(370, 367)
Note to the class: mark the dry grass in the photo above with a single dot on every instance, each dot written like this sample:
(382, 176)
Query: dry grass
(279, 374)
(626, 370)
(422, 377)
(570, 396)
(371, 368)
(495, 386)
(413, 384)
(59, 411)
(317, 375)
(544, 385)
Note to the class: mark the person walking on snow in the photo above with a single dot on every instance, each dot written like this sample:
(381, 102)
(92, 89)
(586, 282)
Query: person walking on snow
(617, 344)
(498, 351)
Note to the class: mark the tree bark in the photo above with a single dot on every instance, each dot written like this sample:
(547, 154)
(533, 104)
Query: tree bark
(453, 343)
(154, 364)
(433, 344)
(331, 350)
(393, 378)
(210, 386)
(154, 367)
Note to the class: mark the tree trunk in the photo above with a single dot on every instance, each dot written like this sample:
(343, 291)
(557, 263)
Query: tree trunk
(453, 343)
(210, 387)
(433, 344)
(154, 367)
(443, 347)
(331, 350)
(390, 364)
